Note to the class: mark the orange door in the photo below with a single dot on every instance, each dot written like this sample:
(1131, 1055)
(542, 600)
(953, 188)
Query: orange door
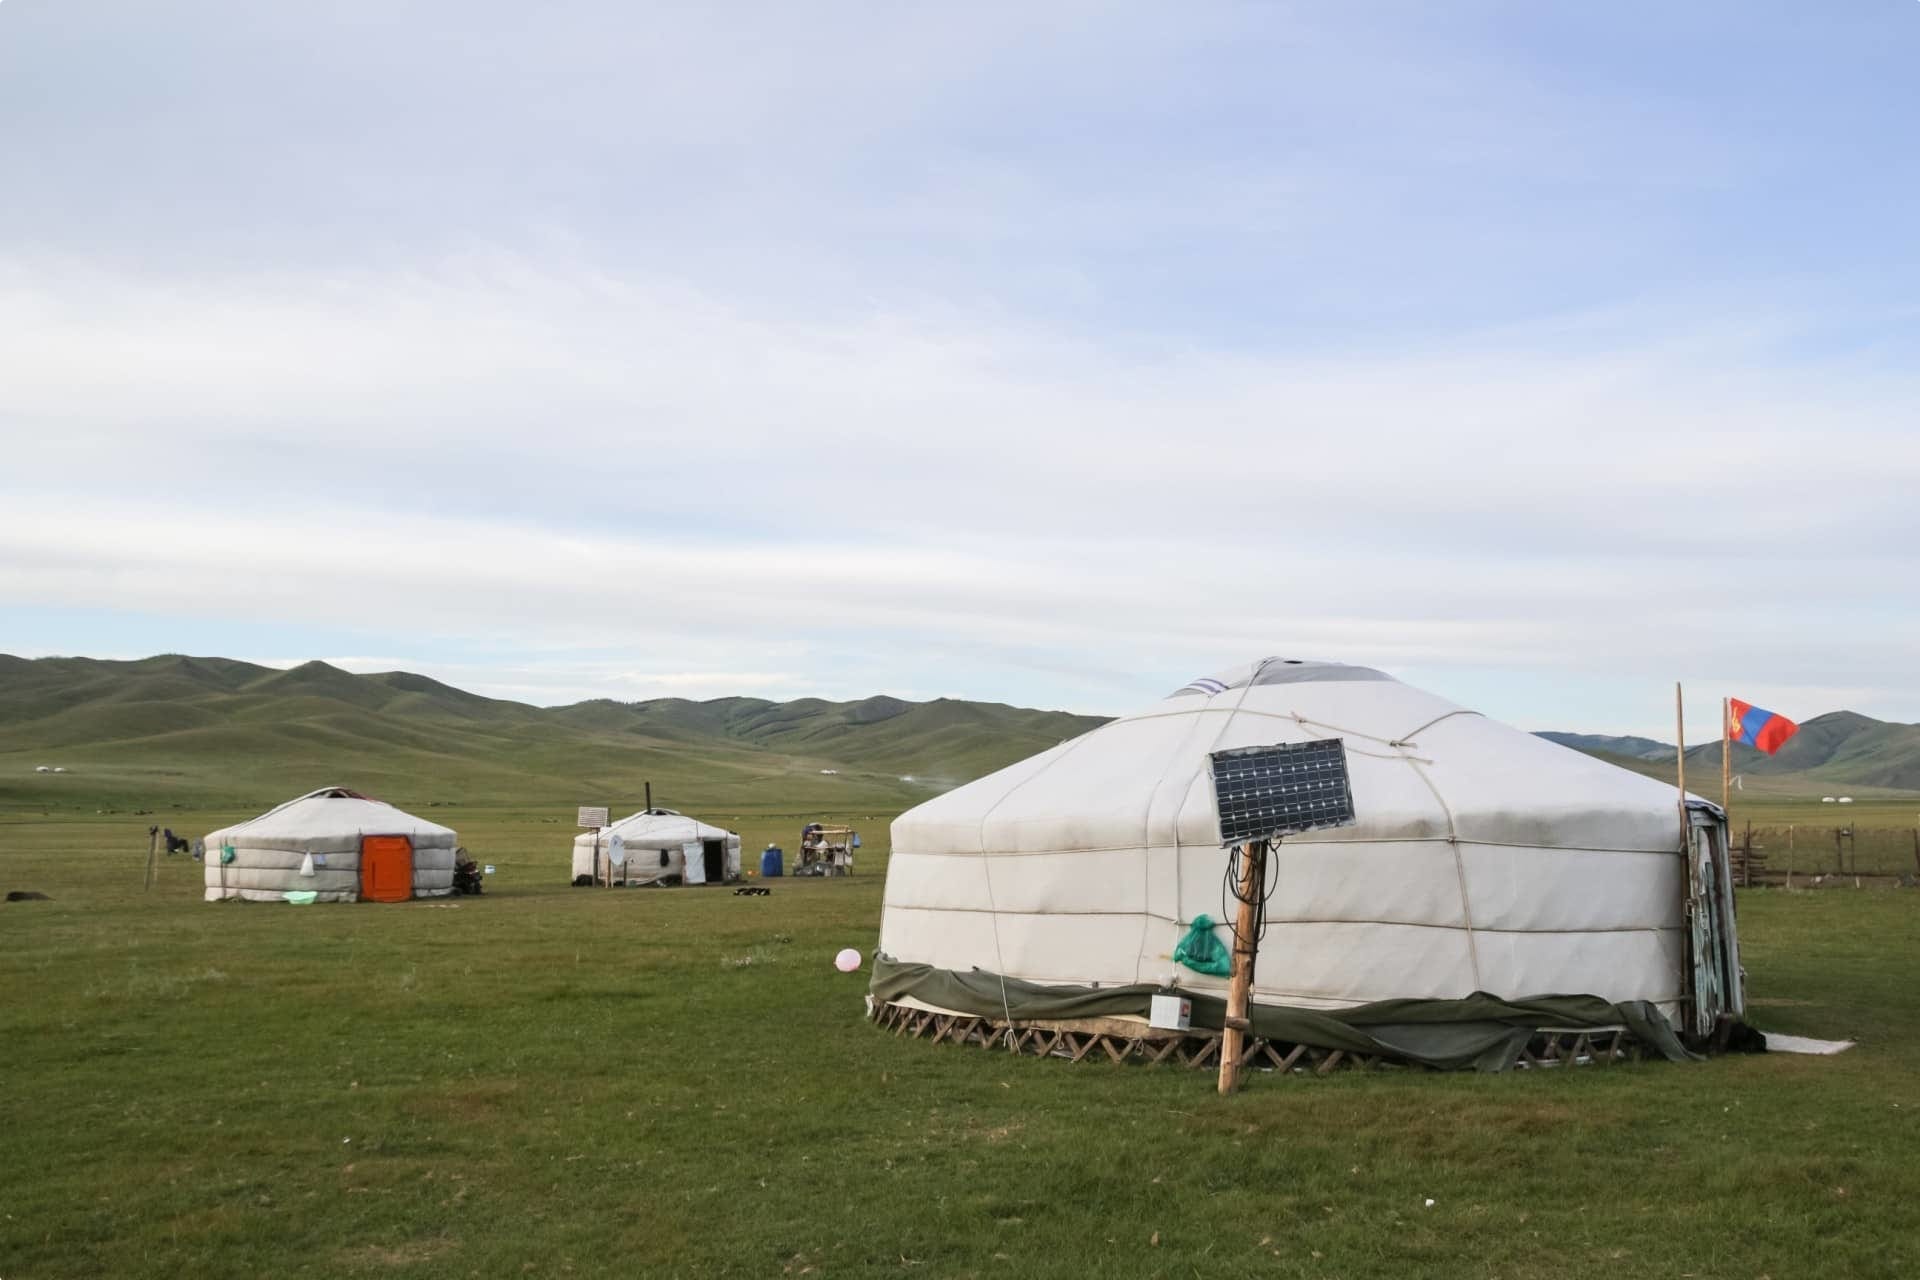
(386, 868)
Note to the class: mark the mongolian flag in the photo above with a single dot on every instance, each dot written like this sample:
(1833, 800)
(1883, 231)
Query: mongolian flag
(1758, 727)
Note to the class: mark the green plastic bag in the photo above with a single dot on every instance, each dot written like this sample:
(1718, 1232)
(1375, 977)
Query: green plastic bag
(227, 854)
(1202, 952)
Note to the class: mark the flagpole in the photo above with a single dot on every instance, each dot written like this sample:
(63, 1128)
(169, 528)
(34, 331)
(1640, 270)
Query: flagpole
(1726, 758)
(1680, 756)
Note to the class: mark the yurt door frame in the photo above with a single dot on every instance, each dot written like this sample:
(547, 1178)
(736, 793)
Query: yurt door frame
(1714, 986)
(386, 868)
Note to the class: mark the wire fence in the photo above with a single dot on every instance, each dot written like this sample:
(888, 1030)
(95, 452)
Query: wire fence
(1838, 850)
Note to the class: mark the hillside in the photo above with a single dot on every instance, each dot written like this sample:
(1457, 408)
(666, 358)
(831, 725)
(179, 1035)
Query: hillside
(174, 729)
(168, 729)
(1839, 748)
(1602, 744)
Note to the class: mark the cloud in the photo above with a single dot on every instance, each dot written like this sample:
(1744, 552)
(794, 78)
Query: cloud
(1056, 357)
(555, 683)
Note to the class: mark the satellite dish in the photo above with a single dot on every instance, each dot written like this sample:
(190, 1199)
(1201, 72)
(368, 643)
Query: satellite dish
(617, 852)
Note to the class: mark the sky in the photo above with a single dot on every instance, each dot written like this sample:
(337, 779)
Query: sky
(1542, 354)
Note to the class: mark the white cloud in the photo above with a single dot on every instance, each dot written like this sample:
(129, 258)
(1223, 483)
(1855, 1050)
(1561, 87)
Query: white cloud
(970, 351)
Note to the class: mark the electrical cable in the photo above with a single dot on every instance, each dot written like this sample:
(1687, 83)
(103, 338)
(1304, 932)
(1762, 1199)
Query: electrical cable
(1230, 890)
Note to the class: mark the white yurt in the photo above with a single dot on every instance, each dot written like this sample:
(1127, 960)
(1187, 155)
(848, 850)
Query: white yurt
(1486, 868)
(337, 844)
(657, 846)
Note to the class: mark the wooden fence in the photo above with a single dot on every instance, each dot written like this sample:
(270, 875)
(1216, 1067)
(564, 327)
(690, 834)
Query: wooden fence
(1768, 854)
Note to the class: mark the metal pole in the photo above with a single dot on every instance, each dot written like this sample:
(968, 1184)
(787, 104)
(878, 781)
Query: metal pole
(1233, 1035)
(153, 840)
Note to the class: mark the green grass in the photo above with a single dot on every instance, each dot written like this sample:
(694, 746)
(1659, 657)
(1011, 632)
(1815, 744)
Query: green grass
(549, 1081)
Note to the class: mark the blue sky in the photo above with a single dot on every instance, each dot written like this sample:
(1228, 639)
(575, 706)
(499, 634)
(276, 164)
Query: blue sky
(1541, 353)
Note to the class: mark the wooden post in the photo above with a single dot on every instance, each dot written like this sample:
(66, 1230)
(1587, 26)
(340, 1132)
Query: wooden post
(153, 843)
(1916, 850)
(1839, 854)
(1680, 758)
(1726, 760)
(1690, 858)
(1233, 1037)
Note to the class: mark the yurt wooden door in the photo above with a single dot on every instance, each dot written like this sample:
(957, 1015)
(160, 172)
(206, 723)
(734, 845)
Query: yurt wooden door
(386, 868)
(1716, 986)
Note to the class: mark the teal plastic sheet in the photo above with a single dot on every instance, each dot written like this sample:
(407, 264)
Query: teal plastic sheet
(1201, 952)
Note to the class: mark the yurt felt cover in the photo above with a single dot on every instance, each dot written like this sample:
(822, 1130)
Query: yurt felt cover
(329, 822)
(1481, 1031)
(1485, 863)
(647, 834)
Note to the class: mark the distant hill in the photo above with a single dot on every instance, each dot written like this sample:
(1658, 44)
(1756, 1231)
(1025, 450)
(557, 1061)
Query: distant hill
(212, 728)
(177, 728)
(1601, 744)
(1840, 748)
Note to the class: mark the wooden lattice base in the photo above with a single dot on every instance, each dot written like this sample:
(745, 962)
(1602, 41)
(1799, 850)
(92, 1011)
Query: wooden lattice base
(1122, 1041)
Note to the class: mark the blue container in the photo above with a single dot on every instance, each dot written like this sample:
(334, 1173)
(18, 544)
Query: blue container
(772, 863)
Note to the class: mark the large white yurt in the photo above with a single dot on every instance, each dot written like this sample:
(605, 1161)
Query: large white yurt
(337, 844)
(1487, 868)
(657, 846)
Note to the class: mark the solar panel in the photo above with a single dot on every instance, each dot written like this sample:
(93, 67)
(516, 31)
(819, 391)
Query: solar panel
(1264, 792)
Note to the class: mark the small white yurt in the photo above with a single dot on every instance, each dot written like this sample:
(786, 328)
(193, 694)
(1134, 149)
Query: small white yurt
(1486, 867)
(657, 846)
(337, 844)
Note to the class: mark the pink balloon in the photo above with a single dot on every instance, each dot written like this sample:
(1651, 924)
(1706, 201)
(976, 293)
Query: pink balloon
(847, 961)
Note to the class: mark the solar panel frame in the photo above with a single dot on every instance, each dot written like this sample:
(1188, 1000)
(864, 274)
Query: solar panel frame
(1268, 791)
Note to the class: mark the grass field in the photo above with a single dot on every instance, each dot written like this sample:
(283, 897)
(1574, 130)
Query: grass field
(550, 1081)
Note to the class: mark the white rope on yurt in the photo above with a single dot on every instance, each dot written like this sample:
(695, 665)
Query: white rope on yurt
(986, 870)
(1171, 973)
(1402, 743)
(1459, 871)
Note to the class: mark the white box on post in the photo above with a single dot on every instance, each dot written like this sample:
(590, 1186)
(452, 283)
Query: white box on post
(1170, 1013)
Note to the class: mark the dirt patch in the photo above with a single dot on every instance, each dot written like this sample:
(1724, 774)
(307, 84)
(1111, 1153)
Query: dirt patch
(406, 1254)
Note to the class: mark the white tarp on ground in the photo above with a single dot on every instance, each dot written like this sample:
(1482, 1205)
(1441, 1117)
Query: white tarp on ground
(1484, 858)
(1777, 1043)
(329, 824)
(655, 841)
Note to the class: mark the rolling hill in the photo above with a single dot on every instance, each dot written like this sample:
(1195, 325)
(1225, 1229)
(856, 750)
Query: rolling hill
(1599, 744)
(1839, 748)
(174, 728)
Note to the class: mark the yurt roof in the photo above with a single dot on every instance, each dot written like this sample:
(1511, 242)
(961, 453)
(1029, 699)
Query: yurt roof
(1421, 768)
(658, 829)
(331, 811)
